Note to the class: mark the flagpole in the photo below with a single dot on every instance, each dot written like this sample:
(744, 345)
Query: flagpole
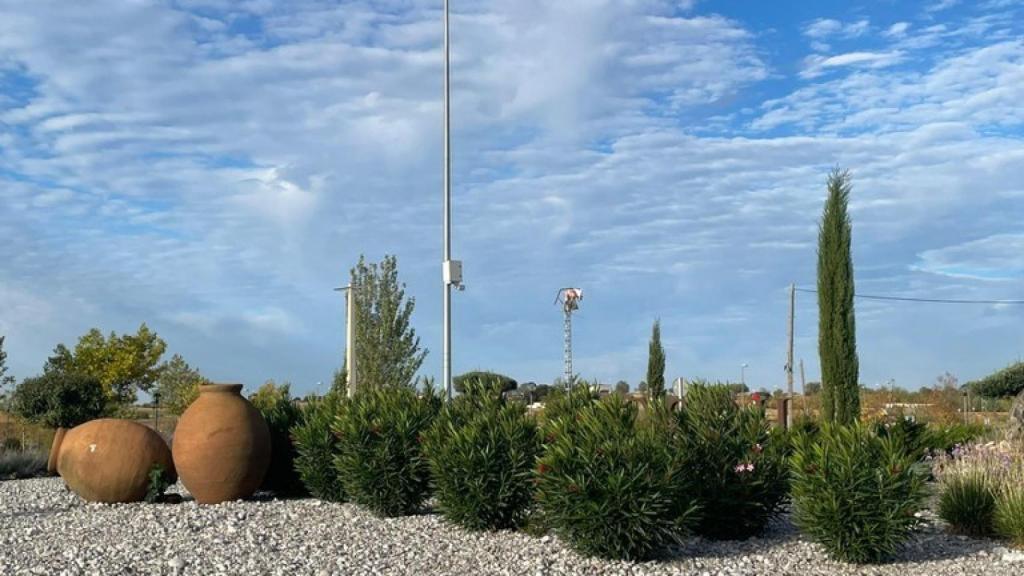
(446, 276)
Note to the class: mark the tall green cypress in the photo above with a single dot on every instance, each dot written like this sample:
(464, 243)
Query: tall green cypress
(837, 338)
(656, 363)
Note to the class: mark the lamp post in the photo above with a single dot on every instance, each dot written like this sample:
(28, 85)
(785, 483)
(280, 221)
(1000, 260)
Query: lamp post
(451, 270)
(350, 337)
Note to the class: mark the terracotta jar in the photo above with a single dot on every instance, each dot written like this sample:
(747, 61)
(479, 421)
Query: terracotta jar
(109, 460)
(221, 445)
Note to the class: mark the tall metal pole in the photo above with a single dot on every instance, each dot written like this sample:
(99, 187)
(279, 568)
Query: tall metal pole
(568, 346)
(789, 361)
(446, 371)
(350, 339)
(351, 378)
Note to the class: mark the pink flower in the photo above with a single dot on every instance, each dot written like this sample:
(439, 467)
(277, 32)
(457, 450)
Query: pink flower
(744, 467)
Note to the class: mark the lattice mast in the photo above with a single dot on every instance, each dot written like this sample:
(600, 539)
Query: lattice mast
(570, 299)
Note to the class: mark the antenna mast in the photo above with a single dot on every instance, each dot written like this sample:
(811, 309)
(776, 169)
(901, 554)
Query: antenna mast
(570, 299)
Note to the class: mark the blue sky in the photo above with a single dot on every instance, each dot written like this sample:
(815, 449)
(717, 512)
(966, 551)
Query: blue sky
(213, 168)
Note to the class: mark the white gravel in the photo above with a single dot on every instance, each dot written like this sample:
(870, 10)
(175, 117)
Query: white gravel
(47, 530)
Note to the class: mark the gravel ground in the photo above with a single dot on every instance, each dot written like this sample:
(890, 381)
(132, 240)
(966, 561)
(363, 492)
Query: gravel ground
(47, 530)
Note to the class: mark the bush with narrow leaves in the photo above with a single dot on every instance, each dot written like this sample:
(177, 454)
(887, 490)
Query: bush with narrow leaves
(380, 458)
(610, 483)
(316, 446)
(855, 493)
(276, 405)
(482, 451)
(738, 463)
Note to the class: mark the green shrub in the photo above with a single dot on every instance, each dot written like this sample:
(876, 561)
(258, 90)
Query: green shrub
(380, 459)
(1008, 516)
(482, 451)
(609, 483)
(316, 447)
(492, 378)
(909, 433)
(738, 463)
(17, 464)
(159, 482)
(945, 438)
(966, 503)
(275, 404)
(855, 493)
(60, 399)
(1005, 383)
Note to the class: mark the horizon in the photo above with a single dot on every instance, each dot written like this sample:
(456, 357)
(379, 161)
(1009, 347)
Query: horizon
(214, 170)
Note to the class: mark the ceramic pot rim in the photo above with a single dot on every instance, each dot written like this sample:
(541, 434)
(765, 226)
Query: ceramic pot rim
(58, 439)
(222, 388)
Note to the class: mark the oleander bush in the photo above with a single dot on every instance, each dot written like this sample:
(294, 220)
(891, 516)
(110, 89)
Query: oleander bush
(611, 484)
(276, 405)
(738, 463)
(482, 451)
(380, 458)
(316, 447)
(856, 493)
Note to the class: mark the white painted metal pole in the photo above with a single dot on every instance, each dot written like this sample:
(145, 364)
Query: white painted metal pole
(350, 339)
(446, 372)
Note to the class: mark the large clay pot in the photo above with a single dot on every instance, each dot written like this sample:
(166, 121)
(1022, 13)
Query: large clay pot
(109, 460)
(221, 445)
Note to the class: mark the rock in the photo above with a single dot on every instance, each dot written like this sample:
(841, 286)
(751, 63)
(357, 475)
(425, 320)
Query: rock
(1013, 557)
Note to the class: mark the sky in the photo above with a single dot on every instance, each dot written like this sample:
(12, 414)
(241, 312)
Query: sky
(213, 168)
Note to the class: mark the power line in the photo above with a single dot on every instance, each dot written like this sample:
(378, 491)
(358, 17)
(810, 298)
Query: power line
(932, 300)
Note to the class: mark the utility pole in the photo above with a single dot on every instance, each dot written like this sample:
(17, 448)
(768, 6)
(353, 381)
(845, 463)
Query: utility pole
(350, 339)
(803, 380)
(451, 270)
(789, 360)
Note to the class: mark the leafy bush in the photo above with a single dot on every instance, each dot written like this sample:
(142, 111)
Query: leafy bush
(380, 459)
(911, 434)
(159, 482)
(482, 452)
(966, 503)
(459, 382)
(275, 404)
(944, 439)
(738, 463)
(854, 492)
(60, 399)
(1006, 382)
(981, 489)
(609, 483)
(316, 446)
(17, 464)
(1008, 516)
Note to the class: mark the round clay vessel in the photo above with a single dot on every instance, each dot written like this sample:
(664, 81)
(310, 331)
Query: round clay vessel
(221, 445)
(109, 460)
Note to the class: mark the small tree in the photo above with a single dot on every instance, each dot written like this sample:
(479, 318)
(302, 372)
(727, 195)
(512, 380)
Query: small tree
(178, 384)
(622, 387)
(5, 380)
(122, 364)
(60, 399)
(837, 337)
(460, 382)
(656, 363)
(387, 349)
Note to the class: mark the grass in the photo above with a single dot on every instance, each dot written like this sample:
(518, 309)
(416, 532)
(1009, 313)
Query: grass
(16, 464)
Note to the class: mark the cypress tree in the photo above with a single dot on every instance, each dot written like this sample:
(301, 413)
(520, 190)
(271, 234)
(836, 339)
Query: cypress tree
(837, 338)
(656, 363)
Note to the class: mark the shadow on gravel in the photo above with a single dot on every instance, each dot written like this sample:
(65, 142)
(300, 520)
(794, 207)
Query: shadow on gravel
(938, 545)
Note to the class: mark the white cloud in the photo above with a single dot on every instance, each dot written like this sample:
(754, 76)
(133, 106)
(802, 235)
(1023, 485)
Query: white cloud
(816, 65)
(898, 29)
(996, 257)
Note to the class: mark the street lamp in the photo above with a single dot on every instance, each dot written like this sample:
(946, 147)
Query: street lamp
(350, 337)
(451, 270)
(743, 373)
